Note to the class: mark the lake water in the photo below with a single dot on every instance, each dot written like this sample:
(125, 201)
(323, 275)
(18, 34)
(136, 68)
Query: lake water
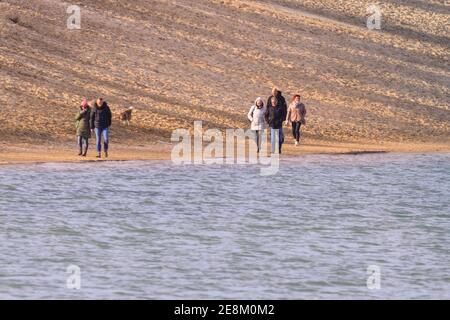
(156, 230)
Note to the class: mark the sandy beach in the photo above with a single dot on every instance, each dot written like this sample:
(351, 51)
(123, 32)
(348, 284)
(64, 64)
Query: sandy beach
(181, 61)
(26, 154)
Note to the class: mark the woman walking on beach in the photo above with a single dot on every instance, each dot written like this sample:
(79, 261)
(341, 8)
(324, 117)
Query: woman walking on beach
(101, 119)
(256, 115)
(275, 118)
(296, 116)
(83, 129)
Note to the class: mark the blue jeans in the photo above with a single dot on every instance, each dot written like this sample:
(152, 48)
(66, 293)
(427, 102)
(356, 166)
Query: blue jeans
(98, 136)
(258, 137)
(274, 134)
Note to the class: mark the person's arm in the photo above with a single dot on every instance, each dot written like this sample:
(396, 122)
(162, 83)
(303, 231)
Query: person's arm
(92, 119)
(250, 113)
(269, 102)
(285, 107)
(109, 116)
(288, 116)
(266, 124)
(304, 115)
(266, 115)
(79, 115)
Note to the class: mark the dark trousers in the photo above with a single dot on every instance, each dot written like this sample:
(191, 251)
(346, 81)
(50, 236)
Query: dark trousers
(296, 130)
(83, 141)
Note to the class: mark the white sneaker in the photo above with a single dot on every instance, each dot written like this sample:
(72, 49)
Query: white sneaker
(296, 143)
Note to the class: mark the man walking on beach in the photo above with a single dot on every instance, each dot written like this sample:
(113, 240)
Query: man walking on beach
(101, 119)
(274, 117)
(281, 102)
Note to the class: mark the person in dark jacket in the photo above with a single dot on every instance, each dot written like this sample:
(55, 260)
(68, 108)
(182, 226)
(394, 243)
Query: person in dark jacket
(83, 128)
(101, 119)
(281, 104)
(281, 100)
(275, 118)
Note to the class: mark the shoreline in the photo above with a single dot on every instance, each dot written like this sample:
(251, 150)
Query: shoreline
(25, 154)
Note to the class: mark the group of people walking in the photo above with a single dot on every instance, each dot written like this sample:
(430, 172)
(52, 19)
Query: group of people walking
(98, 119)
(273, 115)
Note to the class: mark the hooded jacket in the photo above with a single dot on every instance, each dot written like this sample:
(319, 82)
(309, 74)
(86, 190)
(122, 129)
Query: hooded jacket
(101, 116)
(257, 116)
(82, 118)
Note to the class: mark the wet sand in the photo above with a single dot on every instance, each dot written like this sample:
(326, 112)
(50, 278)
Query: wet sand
(25, 154)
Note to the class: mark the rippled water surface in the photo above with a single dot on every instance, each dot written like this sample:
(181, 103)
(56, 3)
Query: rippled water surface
(155, 230)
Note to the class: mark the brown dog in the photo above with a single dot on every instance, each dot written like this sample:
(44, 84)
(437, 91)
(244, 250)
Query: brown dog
(125, 116)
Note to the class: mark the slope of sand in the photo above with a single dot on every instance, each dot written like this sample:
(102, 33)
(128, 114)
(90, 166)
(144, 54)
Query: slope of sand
(184, 60)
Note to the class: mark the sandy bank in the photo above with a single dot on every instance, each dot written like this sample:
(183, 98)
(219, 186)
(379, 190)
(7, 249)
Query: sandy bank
(25, 154)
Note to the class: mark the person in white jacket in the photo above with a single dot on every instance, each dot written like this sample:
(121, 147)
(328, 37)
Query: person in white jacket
(257, 120)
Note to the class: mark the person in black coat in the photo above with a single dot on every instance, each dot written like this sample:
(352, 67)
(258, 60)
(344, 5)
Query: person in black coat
(101, 119)
(282, 105)
(275, 118)
(281, 100)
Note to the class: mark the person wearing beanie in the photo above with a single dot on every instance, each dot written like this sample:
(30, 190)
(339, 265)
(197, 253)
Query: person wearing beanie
(82, 119)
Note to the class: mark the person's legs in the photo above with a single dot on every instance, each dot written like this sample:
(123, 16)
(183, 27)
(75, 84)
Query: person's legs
(293, 129)
(106, 140)
(86, 146)
(293, 123)
(257, 139)
(272, 139)
(281, 139)
(276, 139)
(298, 130)
(98, 140)
(80, 144)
